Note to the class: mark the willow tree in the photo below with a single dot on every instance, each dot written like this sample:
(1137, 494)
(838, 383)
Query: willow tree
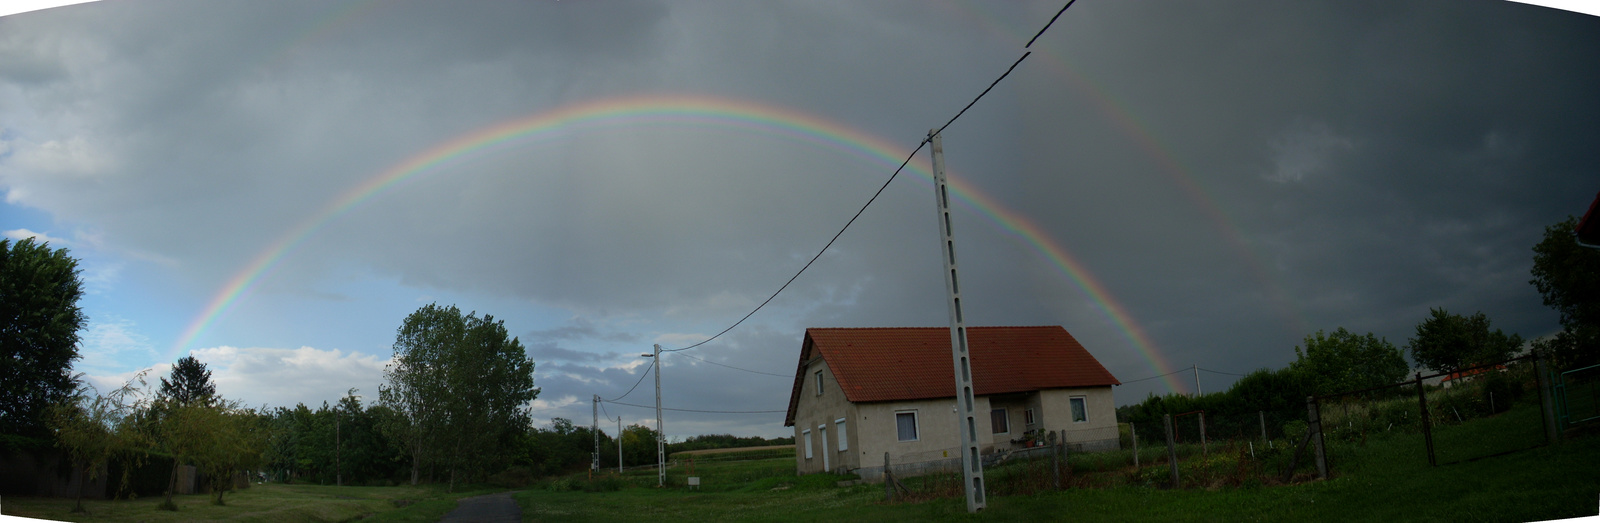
(94, 428)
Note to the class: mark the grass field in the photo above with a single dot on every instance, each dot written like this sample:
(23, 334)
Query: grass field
(1384, 477)
(275, 503)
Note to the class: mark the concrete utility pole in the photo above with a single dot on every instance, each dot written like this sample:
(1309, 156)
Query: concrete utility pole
(619, 445)
(967, 419)
(1197, 391)
(661, 433)
(595, 428)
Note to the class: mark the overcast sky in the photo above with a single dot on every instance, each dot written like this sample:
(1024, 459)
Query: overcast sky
(1175, 183)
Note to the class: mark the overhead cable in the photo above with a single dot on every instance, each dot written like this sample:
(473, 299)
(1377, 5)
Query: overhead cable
(1151, 378)
(733, 367)
(706, 411)
(636, 383)
(885, 185)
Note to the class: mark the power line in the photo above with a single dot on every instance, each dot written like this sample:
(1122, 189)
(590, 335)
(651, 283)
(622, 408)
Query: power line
(1149, 378)
(733, 367)
(813, 258)
(707, 411)
(1048, 24)
(636, 383)
(1218, 372)
(881, 188)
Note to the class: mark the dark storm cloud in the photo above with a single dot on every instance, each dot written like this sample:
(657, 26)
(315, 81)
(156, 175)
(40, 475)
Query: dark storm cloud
(1234, 175)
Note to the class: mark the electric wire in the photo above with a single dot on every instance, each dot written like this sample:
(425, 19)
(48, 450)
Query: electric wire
(819, 253)
(733, 367)
(1218, 372)
(1048, 24)
(706, 411)
(875, 195)
(636, 383)
(1152, 377)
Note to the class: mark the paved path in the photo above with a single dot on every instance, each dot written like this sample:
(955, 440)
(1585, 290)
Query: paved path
(495, 508)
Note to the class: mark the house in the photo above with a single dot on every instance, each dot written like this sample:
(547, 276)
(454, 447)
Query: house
(859, 393)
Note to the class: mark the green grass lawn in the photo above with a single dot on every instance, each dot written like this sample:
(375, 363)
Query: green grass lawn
(276, 503)
(1386, 478)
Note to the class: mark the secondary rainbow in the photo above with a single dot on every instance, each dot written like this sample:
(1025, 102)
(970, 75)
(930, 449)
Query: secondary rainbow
(638, 111)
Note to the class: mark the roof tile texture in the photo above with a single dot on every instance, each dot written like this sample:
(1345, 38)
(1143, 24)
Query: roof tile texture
(889, 364)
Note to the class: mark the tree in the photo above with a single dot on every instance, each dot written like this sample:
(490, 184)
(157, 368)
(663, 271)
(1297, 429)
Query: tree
(191, 382)
(39, 324)
(1449, 342)
(93, 429)
(1343, 361)
(460, 387)
(1568, 275)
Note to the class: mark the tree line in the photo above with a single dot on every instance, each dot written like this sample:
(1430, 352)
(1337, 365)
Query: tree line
(1566, 273)
(454, 407)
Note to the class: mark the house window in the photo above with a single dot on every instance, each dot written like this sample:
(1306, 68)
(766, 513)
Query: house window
(843, 445)
(1080, 412)
(1027, 417)
(819, 383)
(906, 424)
(997, 419)
(806, 435)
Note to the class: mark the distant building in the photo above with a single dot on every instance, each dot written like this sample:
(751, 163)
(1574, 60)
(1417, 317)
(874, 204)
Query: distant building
(859, 393)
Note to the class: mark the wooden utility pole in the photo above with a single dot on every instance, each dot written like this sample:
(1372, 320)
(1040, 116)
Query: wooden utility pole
(619, 444)
(967, 418)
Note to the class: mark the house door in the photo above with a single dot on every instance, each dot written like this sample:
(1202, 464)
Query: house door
(822, 432)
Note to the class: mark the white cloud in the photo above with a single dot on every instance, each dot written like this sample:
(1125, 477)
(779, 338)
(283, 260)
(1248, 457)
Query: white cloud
(284, 377)
(1305, 148)
(104, 342)
(23, 234)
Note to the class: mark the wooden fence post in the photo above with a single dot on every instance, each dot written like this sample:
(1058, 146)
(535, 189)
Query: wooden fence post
(1315, 415)
(1546, 404)
(1427, 425)
(1055, 461)
(1204, 449)
(1263, 415)
(1134, 429)
(1172, 450)
(888, 480)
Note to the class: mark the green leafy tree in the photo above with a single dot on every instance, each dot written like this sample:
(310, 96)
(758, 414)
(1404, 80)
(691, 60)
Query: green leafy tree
(39, 324)
(1568, 275)
(1448, 342)
(94, 428)
(461, 388)
(191, 382)
(1342, 361)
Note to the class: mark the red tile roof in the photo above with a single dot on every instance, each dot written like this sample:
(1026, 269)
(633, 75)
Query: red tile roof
(890, 364)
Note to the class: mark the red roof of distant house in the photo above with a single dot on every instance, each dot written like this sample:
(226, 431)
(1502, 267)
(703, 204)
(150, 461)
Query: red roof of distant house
(1588, 230)
(890, 364)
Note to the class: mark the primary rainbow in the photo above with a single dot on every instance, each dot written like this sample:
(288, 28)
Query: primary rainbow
(636, 111)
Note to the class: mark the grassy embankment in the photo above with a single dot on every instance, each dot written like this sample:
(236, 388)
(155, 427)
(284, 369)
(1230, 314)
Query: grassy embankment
(1384, 478)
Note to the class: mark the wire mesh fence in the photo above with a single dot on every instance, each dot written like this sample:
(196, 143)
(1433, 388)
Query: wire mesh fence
(1578, 395)
(1466, 415)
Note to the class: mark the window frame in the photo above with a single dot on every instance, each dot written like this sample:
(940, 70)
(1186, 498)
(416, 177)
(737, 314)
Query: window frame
(1084, 400)
(806, 435)
(916, 433)
(1005, 418)
(844, 443)
(1028, 417)
(818, 374)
